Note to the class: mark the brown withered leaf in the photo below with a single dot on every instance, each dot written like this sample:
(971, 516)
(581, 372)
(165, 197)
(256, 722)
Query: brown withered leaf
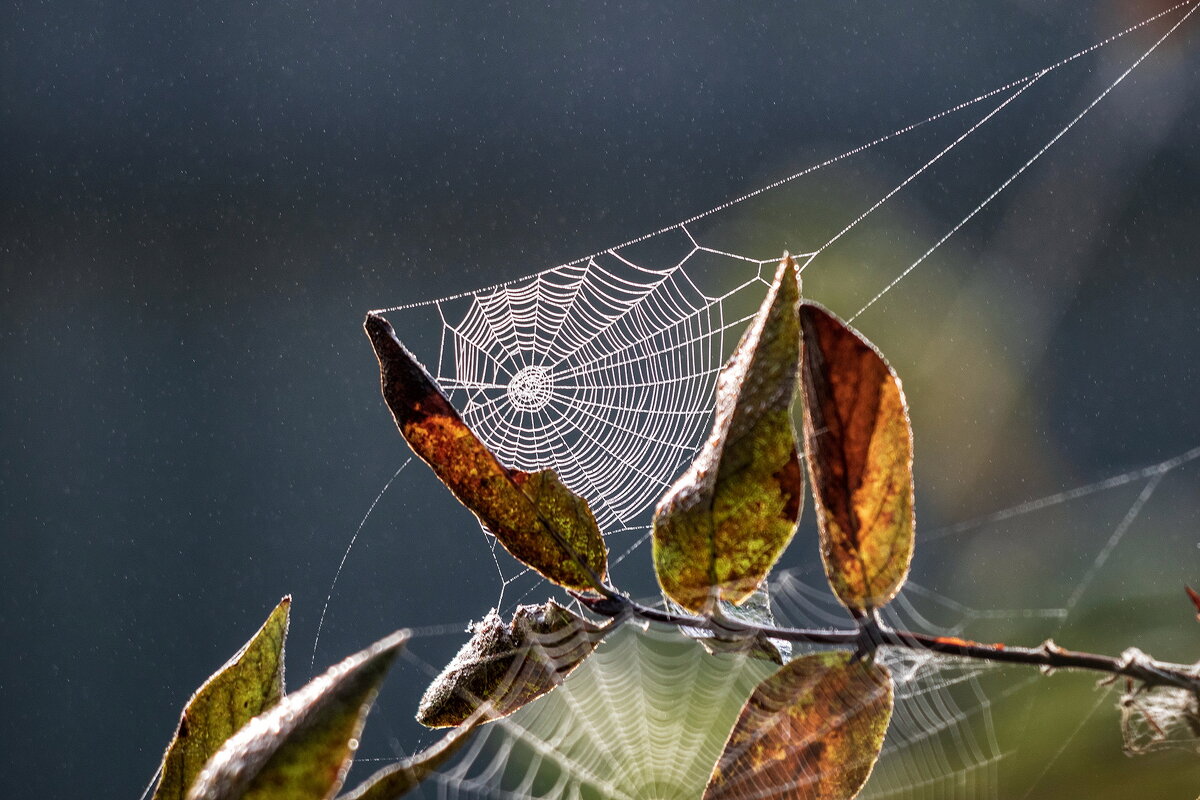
(858, 443)
(507, 666)
(811, 731)
(728, 518)
(535, 516)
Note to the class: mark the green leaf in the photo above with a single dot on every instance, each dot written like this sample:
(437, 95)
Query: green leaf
(858, 443)
(537, 518)
(302, 748)
(398, 779)
(728, 518)
(507, 666)
(811, 731)
(248, 684)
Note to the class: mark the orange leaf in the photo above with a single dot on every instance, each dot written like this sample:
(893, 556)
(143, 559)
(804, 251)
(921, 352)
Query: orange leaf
(537, 518)
(811, 731)
(728, 518)
(858, 443)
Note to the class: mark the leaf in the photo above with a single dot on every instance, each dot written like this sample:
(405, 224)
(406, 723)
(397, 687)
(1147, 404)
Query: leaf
(398, 779)
(813, 730)
(302, 748)
(728, 518)
(535, 516)
(248, 684)
(507, 666)
(858, 443)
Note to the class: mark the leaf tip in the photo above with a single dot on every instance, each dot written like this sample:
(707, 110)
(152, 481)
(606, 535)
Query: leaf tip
(1194, 596)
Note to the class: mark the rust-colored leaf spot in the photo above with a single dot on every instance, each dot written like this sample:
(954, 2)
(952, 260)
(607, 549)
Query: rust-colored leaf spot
(507, 666)
(811, 731)
(535, 516)
(728, 518)
(858, 443)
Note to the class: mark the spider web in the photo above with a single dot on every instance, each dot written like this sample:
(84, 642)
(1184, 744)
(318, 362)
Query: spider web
(603, 369)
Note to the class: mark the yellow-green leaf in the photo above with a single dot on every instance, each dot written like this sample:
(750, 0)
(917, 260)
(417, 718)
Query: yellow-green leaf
(248, 684)
(302, 748)
(507, 666)
(858, 443)
(728, 518)
(402, 777)
(536, 517)
(811, 731)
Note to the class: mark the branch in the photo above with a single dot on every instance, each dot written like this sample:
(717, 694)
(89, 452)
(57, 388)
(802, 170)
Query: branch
(1133, 663)
(871, 634)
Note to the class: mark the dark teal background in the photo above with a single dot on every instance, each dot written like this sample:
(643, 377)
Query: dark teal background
(199, 203)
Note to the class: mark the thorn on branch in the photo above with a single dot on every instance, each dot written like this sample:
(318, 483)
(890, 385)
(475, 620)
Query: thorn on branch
(1052, 651)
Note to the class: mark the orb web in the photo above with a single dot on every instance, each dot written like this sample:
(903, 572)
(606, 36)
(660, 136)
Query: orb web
(530, 389)
(604, 369)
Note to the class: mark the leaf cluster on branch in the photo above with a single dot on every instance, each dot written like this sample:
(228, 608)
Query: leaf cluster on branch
(814, 728)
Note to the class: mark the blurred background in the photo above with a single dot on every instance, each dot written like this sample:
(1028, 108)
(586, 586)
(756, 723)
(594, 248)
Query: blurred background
(199, 203)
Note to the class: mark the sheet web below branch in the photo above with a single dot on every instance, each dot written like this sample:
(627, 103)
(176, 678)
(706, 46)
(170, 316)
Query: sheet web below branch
(647, 714)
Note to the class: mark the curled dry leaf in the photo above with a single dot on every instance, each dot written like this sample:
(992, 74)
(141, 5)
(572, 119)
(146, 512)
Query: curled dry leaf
(251, 682)
(534, 515)
(728, 518)
(302, 748)
(507, 666)
(858, 443)
(812, 731)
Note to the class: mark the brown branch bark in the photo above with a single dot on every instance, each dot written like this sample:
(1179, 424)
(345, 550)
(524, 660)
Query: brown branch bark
(872, 634)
